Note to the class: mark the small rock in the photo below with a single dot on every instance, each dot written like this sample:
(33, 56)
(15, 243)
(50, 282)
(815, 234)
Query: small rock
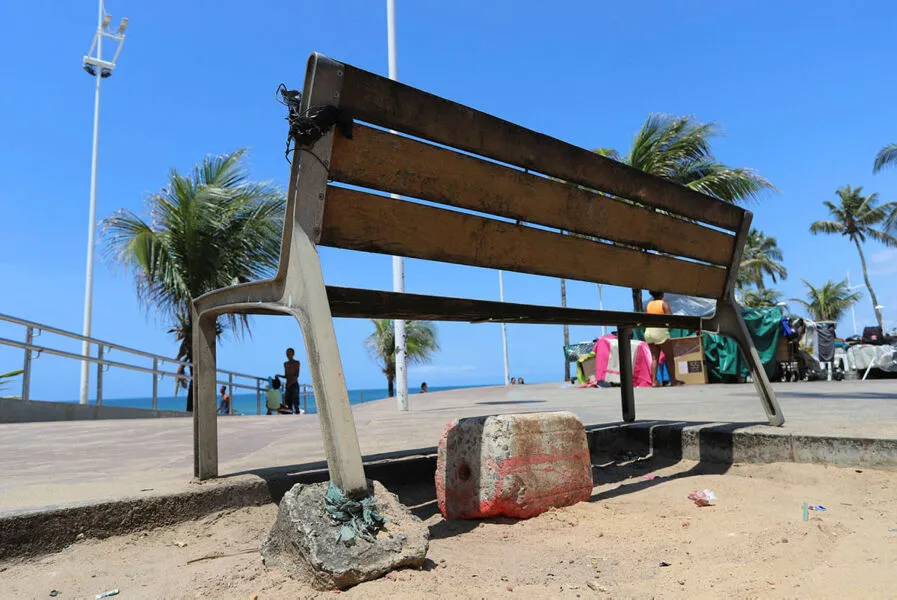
(571, 561)
(54, 593)
(570, 586)
(593, 585)
(681, 582)
(504, 578)
(663, 563)
(784, 540)
(180, 544)
(80, 536)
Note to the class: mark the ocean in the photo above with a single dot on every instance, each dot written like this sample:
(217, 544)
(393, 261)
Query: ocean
(245, 404)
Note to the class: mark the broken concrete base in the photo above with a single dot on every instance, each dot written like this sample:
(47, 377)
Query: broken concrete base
(304, 542)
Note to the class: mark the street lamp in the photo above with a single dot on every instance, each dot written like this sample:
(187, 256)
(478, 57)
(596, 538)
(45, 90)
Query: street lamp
(504, 329)
(398, 263)
(100, 69)
(853, 309)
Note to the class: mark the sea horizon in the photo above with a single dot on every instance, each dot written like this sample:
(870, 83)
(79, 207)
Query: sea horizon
(247, 403)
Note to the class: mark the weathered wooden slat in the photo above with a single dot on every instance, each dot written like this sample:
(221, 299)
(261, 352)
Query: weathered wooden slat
(360, 221)
(370, 304)
(390, 104)
(384, 161)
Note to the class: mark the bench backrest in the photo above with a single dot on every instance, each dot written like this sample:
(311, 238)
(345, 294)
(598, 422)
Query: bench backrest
(624, 227)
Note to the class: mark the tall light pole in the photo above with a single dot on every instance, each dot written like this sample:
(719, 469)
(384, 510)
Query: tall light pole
(99, 69)
(504, 329)
(853, 308)
(398, 263)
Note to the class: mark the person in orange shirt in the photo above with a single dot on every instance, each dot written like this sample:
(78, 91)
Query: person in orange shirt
(658, 338)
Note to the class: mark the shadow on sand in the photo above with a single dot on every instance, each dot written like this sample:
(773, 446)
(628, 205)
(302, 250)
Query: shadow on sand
(621, 454)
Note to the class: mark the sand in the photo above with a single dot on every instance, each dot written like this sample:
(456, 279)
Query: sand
(752, 542)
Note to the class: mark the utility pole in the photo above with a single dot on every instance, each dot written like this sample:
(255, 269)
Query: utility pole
(398, 263)
(566, 331)
(100, 69)
(504, 329)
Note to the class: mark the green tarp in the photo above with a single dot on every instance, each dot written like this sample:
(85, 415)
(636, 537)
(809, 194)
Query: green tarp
(721, 356)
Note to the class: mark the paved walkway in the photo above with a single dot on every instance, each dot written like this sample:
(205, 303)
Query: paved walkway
(44, 464)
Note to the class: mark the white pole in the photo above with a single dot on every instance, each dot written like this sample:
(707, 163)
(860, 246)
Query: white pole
(92, 216)
(504, 329)
(398, 263)
(853, 310)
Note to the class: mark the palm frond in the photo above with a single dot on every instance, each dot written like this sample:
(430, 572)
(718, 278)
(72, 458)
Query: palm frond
(826, 227)
(886, 157)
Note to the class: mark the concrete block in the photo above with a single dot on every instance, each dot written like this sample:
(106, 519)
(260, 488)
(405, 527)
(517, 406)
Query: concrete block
(303, 540)
(512, 465)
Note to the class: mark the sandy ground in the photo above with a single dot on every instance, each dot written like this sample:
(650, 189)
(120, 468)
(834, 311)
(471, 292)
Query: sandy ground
(752, 542)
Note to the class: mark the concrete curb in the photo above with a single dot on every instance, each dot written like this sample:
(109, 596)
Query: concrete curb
(729, 443)
(50, 529)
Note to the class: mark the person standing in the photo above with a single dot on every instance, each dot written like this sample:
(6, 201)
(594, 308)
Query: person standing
(291, 374)
(224, 407)
(658, 338)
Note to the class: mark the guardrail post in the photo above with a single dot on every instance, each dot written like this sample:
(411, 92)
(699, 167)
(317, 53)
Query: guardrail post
(99, 374)
(156, 384)
(258, 396)
(305, 400)
(230, 391)
(26, 367)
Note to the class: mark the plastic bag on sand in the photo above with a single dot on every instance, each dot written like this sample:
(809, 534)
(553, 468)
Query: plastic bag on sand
(702, 497)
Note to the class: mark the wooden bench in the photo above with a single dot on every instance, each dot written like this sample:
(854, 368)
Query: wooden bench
(624, 228)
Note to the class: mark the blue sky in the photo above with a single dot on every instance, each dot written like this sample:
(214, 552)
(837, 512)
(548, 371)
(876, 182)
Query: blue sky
(803, 90)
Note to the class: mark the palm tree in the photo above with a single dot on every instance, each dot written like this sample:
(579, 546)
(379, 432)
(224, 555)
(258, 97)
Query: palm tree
(761, 298)
(761, 257)
(857, 218)
(679, 149)
(207, 230)
(420, 344)
(830, 301)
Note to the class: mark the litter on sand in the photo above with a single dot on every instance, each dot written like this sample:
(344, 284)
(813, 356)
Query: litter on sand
(702, 497)
(817, 507)
(107, 594)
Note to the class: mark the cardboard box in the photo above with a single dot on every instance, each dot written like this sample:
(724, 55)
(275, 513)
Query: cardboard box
(783, 351)
(688, 360)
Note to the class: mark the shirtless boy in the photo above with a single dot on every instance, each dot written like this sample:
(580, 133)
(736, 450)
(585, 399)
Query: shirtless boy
(291, 374)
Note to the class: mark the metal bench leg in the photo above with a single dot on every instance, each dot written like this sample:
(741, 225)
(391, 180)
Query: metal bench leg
(731, 324)
(627, 393)
(306, 298)
(205, 417)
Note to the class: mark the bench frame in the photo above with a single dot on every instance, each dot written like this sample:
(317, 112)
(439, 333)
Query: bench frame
(298, 289)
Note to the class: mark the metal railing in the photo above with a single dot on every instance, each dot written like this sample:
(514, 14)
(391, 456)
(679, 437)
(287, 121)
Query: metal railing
(231, 379)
